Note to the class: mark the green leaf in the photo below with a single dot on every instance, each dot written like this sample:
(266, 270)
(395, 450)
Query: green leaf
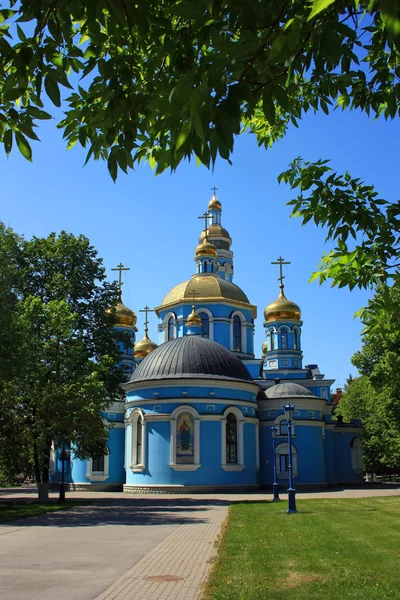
(182, 137)
(23, 146)
(52, 90)
(8, 141)
(38, 114)
(319, 6)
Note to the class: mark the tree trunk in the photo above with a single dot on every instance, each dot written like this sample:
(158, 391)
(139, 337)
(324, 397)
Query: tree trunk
(42, 475)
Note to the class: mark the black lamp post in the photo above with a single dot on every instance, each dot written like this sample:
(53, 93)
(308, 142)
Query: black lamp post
(289, 408)
(275, 486)
(61, 494)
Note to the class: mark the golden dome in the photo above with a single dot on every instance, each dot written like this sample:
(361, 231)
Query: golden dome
(125, 316)
(206, 249)
(215, 231)
(144, 347)
(264, 348)
(193, 318)
(282, 308)
(214, 203)
(207, 288)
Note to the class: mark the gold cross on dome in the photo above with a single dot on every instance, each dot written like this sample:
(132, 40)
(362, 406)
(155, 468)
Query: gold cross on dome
(193, 293)
(280, 261)
(214, 189)
(146, 310)
(205, 216)
(120, 268)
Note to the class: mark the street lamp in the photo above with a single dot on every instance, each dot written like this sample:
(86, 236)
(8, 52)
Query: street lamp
(275, 486)
(289, 408)
(61, 496)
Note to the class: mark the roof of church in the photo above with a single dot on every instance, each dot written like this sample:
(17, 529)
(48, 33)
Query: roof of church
(205, 287)
(288, 390)
(191, 356)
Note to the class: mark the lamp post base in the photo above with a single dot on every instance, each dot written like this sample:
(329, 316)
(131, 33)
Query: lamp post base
(275, 487)
(291, 501)
(61, 496)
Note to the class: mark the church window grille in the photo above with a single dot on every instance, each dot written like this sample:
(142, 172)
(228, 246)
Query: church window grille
(295, 339)
(139, 441)
(231, 439)
(284, 462)
(237, 334)
(205, 330)
(98, 464)
(170, 327)
(284, 339)
(272, 340)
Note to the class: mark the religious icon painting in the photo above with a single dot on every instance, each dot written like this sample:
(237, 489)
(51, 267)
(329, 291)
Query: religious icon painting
(185, 438)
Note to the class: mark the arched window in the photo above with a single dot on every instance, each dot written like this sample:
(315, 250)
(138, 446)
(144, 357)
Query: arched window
(98, 464)
(356, 455)
(295, 339)
(237, 334)
(283, 428)
(272, 340)
(284, 339)
(231, 439)
(205, 330)
(282, 461)
(139, 441)
(170, 328)
(185, 438)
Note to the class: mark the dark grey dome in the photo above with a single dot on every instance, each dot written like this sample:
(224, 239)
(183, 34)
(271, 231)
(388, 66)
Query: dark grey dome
(288, 390)
(191, 356)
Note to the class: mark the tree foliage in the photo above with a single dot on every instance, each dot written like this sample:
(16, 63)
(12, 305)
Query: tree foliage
(66, 372)
(374, 397)
(168, 80)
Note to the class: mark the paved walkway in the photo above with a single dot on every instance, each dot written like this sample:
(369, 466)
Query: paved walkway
(123, 547)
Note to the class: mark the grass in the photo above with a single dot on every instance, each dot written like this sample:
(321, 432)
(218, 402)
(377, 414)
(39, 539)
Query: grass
(10, 511)
(330, 550)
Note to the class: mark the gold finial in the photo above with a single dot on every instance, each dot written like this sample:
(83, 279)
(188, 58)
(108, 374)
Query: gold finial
(214, 203)
(281, 261)
(120, 268)
(194, 319)
(146, 310)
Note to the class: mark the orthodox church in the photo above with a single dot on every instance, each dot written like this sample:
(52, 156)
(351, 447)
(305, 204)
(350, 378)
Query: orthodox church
(199, 408)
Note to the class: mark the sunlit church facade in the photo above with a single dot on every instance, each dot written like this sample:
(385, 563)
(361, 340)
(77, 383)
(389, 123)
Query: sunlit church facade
(199, 406)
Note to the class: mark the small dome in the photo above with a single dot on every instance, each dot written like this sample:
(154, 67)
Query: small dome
(264, 348)
(193, 357)
(206, 249)
(288, 390)
(282, 308)
(193, 318)
(125, 316)
(144, 347)
(214, 203)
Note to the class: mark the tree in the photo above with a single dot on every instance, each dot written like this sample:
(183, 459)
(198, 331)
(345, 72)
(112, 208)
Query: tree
(167, 80)
(374, 397)
(68, 369)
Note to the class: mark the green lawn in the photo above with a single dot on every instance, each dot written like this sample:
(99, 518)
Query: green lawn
(330, 550)
(10, 511)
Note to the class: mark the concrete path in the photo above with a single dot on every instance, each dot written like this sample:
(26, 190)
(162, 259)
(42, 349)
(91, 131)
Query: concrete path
(124, 547)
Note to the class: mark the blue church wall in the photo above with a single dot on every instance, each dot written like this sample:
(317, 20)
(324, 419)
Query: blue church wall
(344, 472)
(329, 456)
(159, 472)
(188, 392)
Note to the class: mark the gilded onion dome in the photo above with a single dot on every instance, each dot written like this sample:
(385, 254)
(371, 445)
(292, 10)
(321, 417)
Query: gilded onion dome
(125, 316)
(282, 308)
(264, 348)
(206, 249)
(144, 347)
(214, 203)
(193, 318)
(215, 230)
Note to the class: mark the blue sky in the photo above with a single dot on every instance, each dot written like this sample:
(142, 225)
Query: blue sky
(151, 225)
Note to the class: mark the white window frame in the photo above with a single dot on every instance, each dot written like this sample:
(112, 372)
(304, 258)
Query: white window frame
(272, 332)
(280, 330)
(283, 448)
(278, 422)
(135, 415)
(165, 322)
(210, 320)
(295, 328)
(196, 459)
(240, 420)
(356, 455)
(98, 475)
(243, 341)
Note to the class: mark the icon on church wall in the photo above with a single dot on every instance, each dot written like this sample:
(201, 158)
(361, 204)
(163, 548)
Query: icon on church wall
(184, 438)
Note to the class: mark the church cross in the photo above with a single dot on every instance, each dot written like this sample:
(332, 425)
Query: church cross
(193, 293)
(214, 189)
(280, 261)
(146, 310)
(120, 268)
(205, 216)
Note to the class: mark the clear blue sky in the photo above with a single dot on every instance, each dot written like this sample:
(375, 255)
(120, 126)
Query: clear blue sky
(151, 225)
